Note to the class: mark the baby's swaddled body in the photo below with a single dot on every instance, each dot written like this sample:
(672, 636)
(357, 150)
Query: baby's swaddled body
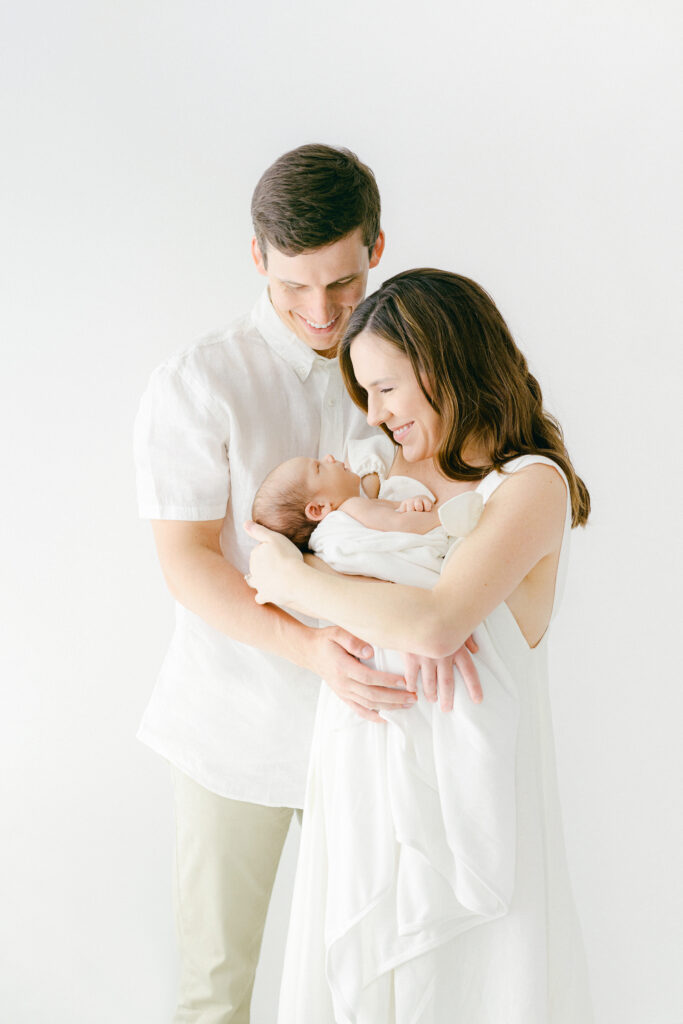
(411, 558)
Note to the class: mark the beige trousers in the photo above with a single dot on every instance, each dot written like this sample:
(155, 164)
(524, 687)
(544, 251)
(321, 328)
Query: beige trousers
(227, 853)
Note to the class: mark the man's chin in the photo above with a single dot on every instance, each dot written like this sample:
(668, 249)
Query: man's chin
(331, 345)
(324, 345)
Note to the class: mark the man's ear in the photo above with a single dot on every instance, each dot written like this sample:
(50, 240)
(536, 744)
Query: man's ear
(316, 511)
(377, 250)
(257, 257)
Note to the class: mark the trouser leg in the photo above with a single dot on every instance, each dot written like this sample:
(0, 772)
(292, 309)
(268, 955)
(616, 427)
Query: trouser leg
(227, 853)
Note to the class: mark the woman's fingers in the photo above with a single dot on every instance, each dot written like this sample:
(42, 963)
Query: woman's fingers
(372, 690)
(411, 670)
(271, 564)
(468, 671)
(438, 679)
(446, 683)
(258, 532)
(429, 679)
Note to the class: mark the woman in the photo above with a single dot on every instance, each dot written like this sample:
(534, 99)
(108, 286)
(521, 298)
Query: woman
(432, 885)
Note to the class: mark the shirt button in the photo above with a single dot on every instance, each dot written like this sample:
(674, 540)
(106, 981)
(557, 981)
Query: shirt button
(331, 401)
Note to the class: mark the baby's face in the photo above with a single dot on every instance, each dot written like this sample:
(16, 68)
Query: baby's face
(326, 481)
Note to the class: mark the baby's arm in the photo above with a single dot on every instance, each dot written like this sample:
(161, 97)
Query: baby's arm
(385, 515)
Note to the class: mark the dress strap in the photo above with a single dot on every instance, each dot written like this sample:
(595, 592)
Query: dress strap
(493, 480)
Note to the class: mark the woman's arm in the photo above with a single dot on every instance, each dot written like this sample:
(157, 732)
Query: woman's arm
(321, 566)
(521, 525)
(438, 681)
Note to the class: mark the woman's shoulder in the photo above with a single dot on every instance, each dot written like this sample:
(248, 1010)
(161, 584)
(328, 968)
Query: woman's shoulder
(531, 475)
(534, 494)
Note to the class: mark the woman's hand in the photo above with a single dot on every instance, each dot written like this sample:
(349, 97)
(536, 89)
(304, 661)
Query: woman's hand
(271, 564)
(438, 681)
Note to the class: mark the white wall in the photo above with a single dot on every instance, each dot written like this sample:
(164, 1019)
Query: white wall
(531, 145)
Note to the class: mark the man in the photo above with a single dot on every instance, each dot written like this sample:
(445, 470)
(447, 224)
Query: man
(234, 703)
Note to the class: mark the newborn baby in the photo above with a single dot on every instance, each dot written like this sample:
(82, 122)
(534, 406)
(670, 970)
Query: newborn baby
(299, 493)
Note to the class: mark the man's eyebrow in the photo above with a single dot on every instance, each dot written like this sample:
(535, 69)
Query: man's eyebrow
(298, 284)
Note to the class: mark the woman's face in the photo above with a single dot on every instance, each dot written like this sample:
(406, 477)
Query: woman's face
(395, 397)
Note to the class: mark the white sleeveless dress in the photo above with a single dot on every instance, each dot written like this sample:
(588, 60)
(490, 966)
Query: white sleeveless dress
(432, 885)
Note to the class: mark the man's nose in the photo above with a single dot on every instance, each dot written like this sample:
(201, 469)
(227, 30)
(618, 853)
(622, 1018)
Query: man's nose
(319, 309)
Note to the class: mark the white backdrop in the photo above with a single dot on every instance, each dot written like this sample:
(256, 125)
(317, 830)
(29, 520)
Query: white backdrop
(530, 145)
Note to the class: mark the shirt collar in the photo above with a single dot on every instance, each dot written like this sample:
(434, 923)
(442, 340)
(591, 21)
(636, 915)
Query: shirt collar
(300, 357)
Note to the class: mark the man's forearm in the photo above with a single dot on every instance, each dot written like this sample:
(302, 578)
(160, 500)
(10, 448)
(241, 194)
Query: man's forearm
(202, 581)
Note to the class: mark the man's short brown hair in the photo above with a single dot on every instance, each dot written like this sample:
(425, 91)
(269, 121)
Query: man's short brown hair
(313, 196)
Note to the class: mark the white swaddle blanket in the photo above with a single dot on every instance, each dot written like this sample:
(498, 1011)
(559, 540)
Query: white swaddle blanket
(411, 558)
(409, 830)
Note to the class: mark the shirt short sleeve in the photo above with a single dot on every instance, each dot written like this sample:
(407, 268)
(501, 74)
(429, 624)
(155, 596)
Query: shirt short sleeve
(181, 450)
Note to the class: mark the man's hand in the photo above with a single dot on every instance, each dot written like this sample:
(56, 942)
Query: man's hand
(438, 679)
(336, 654)
(421, 503)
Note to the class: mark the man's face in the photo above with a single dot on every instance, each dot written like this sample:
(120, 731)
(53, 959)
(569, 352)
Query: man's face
(315, 293)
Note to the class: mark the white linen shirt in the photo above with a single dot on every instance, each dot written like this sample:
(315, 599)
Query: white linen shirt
(212, 423)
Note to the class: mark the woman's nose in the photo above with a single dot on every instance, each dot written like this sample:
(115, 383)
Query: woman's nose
(375, 411)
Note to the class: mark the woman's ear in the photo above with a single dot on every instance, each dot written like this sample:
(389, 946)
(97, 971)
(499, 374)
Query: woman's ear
(316, 512)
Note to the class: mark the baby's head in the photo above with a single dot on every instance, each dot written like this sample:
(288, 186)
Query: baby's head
(299, 493)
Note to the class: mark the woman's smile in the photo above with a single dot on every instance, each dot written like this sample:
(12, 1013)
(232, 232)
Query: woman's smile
(400, 432)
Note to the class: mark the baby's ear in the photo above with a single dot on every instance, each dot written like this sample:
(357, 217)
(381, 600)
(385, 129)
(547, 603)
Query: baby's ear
(316, 512)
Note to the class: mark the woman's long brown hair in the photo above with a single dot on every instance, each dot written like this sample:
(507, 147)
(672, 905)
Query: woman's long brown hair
(470, 370)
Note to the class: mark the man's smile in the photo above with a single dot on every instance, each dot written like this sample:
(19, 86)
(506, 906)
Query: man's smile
(319, 328)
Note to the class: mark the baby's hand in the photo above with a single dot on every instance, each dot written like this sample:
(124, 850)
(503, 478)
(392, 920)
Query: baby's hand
(419, 504)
